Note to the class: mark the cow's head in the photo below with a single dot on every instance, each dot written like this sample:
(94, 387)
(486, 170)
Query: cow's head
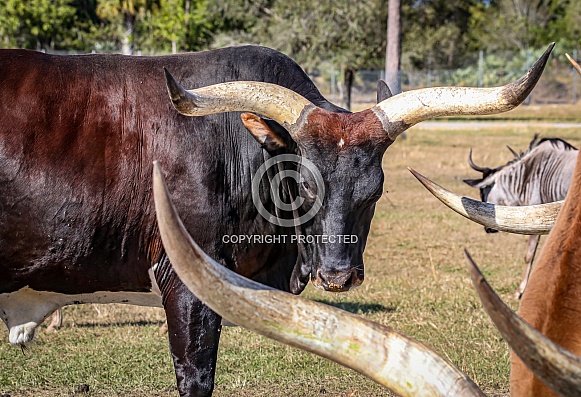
(346, 149)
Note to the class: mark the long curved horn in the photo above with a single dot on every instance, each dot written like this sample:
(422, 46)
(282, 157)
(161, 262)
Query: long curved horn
(528, 220)
(575, 64)
(476, 167)
(278, 103)
(402, 111)
(556, 367)
(400, 363)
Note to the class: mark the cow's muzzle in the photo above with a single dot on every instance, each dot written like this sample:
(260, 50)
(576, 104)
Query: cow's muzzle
(337, 281)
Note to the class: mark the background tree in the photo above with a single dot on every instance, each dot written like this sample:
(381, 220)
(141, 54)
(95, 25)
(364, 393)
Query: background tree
(163, 27)
(564, 25)
(42, 24)
(343, 31)
(175, 25)
(437, 35)
(200, 27)
(393, 50)
(239, 22)
(123, 15)
(520, 24)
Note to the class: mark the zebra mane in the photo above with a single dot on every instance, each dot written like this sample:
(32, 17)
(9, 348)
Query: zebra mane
(536, 142)
(557, 143)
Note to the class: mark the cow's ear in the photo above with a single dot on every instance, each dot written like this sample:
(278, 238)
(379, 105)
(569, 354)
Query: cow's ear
(263, 132)
(383, 91)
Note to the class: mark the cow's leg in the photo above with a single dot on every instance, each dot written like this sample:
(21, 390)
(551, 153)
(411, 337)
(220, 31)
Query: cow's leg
(194, 333)
(529, 257)
(56, 321)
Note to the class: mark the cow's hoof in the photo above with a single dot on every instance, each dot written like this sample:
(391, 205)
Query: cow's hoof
(22, 334)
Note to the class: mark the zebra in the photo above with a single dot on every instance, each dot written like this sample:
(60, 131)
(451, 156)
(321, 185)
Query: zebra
(540, 175)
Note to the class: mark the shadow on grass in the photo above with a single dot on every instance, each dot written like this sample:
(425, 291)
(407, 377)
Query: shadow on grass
(358, 307)
(104, 323)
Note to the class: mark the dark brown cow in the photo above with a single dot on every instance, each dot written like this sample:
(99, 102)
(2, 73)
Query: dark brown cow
(77, 140)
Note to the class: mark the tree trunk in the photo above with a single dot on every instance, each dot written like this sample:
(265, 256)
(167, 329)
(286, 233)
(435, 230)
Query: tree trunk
(187, 16)
(393, 50)
(348, 77)
(127, 38)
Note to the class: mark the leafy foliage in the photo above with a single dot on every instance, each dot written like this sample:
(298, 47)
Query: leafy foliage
(350, 33)
(437, 34)
(38, 24)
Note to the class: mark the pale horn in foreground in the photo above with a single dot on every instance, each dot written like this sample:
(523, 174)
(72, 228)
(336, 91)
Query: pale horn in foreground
(556, 367)
(396, 361)
(528, 220)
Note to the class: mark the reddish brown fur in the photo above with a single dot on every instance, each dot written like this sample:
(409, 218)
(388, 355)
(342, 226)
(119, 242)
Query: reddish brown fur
(355, 129)
(552, 301)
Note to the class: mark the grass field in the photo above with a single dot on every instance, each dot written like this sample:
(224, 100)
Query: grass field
(416, 282)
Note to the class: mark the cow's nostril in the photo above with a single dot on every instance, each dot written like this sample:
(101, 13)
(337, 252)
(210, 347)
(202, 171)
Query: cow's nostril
(338, 281)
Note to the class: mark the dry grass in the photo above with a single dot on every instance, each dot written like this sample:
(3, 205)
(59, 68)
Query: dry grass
(416, 282)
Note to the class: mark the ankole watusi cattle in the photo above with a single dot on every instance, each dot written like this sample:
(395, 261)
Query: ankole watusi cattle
(405, 366)
(77, 140)
(540, 175)
(551, 303)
